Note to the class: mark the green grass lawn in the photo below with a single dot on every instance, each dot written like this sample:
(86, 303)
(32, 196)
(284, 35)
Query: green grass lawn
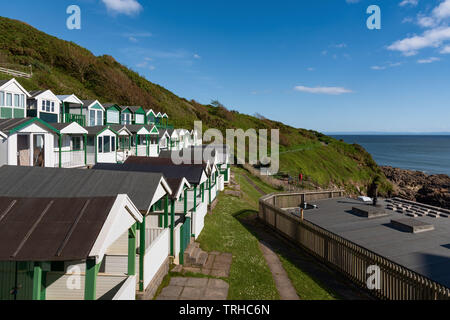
(306, 287)
(250, 277)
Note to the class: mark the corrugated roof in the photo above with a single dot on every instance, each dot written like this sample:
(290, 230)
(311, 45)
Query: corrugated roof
(95, 129)
(9, 124)
(192, 173)
(36, 93)
(61, 183)
(50, 229)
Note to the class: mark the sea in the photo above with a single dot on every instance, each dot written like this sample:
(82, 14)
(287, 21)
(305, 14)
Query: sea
(427, 153)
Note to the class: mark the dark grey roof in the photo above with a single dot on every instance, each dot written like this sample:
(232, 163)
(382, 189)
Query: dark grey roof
(7, 125)
(36, 93)
(96, 129)
(87, 103)
(135, 108)
(63, 183)
(117, 127)
(192, 173)
(51, 229)
(2, 82)
(427, 253)
(60, 126)
(109, 104)
(192, 153)
(161, 132)
(134, 128)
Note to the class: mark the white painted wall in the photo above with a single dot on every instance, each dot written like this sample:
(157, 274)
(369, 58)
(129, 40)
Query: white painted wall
(109, 157)
(128, 290)
(3, 151)
(198, 219)
(155, 256)
(30, 131)
(71, 286)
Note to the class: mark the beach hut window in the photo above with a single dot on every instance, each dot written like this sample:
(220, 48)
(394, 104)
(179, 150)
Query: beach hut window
(99, 118)
(106, 144)
(2, 98)
(100, 145)
(113, 144)
(92, 118)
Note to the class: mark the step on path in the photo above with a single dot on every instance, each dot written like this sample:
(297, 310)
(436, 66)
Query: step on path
(214, 264)
(195, 289)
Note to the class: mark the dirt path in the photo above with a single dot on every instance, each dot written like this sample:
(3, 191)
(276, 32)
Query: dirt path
(271, 244)
(254, 185)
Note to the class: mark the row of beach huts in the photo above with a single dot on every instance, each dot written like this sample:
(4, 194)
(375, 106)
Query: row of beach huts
(92, 204)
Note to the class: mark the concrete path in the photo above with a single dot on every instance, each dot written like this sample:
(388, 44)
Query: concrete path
(195, 289)
(282, 281)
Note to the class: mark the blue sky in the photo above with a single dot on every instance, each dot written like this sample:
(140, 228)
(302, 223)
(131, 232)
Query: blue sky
(310, 64)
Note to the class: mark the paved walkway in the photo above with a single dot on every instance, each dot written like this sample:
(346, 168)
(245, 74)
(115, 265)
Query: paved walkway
(195, 289)
(282, 281)
(217, 265)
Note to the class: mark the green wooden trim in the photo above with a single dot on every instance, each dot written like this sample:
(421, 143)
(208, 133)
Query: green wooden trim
(115, 106)
(85, 149)
(33, 120)
(90, 286)
(195, 198)
(172, 226)
(60, 149)
(37, 281)
(132, 250)
(166, 212)
(142, 235)
(137, 138)
(202, 188)
(96, 106)
(210, 201)
(185, 201)
(140, 111)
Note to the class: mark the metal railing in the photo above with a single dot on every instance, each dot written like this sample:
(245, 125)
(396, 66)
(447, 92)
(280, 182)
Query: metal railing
(78, 118)
(70, 159)
(396, 281)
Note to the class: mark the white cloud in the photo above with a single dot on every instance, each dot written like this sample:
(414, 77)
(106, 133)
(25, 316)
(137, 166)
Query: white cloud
(128, 7)
(196, 56)
(310, 69)
(430, 38)
(429, 60)
(323, 90)
(340, 45)
(426, 22)
(445, 50)
(412, 3)
(352, 1)
(443, 10)
(377, 67)
(407, 20)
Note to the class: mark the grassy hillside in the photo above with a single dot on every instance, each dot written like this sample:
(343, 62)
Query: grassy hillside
(64, 67)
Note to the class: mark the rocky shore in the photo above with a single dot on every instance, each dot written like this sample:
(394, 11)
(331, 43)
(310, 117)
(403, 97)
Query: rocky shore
(418, 186)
